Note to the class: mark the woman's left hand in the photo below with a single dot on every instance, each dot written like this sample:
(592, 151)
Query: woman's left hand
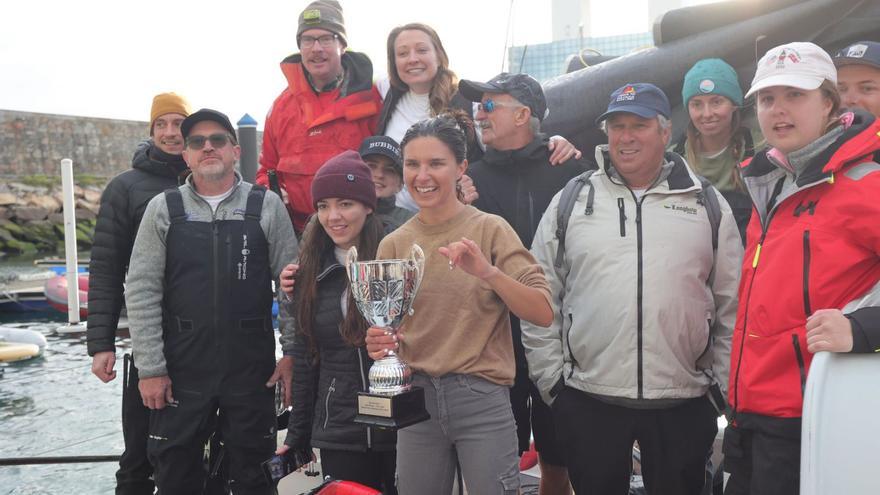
(466, 255)
(829, 330)
(561, 150)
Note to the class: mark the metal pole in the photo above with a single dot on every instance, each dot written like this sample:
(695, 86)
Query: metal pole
(71, 459)
(247, 139)
(70, 247)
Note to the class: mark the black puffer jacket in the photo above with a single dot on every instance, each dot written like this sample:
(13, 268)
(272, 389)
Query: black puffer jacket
(325, 387)
(122, 206)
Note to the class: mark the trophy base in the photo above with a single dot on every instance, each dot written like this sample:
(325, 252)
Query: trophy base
(392, 411)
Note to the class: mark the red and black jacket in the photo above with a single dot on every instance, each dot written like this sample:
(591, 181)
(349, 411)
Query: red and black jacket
(815, 248)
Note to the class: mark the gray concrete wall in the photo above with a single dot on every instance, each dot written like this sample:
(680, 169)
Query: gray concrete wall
(35, 143)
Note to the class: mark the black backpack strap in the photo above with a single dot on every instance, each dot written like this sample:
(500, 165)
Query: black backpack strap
(566, 205)
(254, 208)
(713, 209)
(174, 200)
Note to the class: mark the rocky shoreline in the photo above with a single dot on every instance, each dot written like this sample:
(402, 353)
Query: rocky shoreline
(31, 218)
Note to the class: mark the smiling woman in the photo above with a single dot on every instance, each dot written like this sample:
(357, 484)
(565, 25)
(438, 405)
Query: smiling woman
(463, 359)
(323, 332)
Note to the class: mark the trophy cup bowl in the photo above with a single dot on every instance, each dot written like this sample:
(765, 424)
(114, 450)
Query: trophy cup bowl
(384, 291)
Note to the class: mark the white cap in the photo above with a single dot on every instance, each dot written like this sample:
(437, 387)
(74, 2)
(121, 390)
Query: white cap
(799, 65)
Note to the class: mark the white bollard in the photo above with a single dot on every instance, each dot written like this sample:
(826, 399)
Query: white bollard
(70, 249)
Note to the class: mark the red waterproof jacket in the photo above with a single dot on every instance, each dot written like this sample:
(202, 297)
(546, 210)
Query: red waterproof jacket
(814, 248)
(304, 128)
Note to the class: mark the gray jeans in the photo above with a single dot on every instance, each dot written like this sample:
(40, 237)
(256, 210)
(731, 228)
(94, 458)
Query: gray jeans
(471, 419)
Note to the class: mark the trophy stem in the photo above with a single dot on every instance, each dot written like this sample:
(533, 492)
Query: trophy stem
(390, 376)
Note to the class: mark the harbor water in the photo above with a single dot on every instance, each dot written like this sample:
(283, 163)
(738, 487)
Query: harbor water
(53, 406)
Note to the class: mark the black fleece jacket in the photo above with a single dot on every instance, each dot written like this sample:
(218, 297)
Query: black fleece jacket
(517, 185)
(122, 206)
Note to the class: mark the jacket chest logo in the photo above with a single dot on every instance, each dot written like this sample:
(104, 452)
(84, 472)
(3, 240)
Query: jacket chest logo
(690, 210)
(315, 132)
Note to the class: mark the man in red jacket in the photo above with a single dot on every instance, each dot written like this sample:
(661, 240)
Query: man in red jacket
(330, 105)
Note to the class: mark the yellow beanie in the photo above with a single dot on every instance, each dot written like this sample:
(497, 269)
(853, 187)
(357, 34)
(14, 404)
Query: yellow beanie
(168, 103)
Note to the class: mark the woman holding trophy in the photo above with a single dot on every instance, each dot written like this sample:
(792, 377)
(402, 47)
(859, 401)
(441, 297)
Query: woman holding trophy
(457, 338)
(325, 331)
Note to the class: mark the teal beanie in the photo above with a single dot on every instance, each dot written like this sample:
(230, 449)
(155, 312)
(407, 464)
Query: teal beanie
(711, 76)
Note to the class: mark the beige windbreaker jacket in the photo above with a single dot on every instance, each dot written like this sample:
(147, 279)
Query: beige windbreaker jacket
(643, 307)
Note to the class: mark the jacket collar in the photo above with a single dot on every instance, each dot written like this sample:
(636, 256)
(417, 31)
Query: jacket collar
(357, 68)
(858, 140)
(533, 152)
(674, 172)
(149, 158)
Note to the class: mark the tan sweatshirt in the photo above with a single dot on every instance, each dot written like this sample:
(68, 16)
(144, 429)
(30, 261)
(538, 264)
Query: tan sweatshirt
(460, 325)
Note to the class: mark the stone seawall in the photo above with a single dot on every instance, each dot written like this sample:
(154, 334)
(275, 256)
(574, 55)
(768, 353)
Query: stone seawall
(35, 143)
(31, 148)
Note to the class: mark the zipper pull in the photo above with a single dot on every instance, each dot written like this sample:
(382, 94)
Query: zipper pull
(757, 255)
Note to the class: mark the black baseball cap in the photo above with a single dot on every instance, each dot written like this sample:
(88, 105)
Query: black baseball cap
(523, 87)
(860, 53)
(385, 146)
(206, 114)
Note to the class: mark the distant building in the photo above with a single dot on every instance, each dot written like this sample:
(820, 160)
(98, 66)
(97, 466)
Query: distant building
(572, 35)
(547, 60)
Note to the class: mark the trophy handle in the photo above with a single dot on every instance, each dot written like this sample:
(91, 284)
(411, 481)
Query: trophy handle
(350, 262)
(417, 258)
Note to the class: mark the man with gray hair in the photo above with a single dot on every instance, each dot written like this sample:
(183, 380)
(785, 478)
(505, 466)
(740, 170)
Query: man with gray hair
(644, 308)
(516, 181)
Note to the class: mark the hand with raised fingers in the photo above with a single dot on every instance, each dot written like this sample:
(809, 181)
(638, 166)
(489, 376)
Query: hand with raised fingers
(466, 254)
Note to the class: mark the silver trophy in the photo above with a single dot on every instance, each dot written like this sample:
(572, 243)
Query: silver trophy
(384, 291)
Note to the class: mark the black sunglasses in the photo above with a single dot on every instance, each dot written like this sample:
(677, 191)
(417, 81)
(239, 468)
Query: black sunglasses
(196, 143)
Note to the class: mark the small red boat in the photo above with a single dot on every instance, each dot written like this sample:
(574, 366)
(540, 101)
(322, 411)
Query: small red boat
(56, 293)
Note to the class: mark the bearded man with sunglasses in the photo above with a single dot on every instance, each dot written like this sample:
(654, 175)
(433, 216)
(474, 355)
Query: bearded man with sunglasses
(516, 181)
(330, 105)
(199, 303)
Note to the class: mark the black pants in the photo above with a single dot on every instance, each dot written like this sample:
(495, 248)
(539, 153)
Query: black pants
(245, 421)
(135, 471)
(373, 469)
(675, 444)
(762, 462)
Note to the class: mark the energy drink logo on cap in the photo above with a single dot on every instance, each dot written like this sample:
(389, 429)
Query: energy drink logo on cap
(628, 94)
(786, 54)
(312, 16)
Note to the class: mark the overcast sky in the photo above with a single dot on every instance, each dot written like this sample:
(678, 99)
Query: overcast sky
(106, 58)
